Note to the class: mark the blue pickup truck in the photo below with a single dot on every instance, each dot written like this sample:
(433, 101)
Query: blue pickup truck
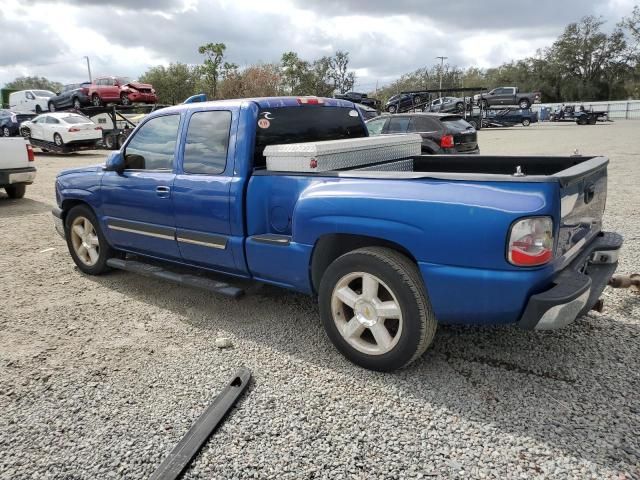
(389, 254)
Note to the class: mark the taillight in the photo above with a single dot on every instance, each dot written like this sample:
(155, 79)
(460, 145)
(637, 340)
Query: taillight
(531, 242)
(30, 154)
(310, 101)
(447, 141)
(74, 129)
(98, 128)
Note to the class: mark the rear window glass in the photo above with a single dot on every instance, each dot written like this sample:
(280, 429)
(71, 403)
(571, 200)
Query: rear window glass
(278, 126)
(76, 119)
(455, 123)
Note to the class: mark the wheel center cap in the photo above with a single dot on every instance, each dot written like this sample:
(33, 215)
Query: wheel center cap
(366, 313)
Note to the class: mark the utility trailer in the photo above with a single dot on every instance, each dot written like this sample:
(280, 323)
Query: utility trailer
(569, 113)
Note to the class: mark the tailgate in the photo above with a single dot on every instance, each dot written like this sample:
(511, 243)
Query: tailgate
(583, 194)
(13, 153)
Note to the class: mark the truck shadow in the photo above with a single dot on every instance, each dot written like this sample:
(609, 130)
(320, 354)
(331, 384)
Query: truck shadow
(10, 207)
(557, 388)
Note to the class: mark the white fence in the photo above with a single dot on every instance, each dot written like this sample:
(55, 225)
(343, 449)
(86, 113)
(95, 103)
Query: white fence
(618, 110)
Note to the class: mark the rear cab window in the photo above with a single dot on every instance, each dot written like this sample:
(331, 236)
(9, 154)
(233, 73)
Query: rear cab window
(308, 123)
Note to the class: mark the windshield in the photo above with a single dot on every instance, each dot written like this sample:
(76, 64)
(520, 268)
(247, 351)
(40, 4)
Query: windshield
(75, 119)
(277, 126)
(123, 80)
(42, 93)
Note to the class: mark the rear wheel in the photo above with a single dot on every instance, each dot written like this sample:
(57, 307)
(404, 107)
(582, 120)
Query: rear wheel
(110, 142)
(38, 109)
(524, 103)
(16, 191)
(460, 107)
(6, 132)
(76, 103)
(95, 100)
(52, 107)
(375, 309)
(87, 244)
(526, 122)
(391, 109)
(57, 139)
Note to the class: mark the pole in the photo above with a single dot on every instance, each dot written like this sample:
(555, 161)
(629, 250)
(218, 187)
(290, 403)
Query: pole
(442, 59)
(89, 68)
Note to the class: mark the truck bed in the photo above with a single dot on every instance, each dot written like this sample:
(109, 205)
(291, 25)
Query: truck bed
(562, 169)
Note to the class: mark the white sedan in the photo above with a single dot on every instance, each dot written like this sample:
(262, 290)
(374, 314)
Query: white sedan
(62, 129)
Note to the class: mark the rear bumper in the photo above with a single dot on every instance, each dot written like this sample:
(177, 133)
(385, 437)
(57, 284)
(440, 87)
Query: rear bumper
(576, 288)
(12, 176)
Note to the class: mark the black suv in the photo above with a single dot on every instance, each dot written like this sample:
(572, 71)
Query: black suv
(361, 98)
(71, 96)
(440, 132)
(405, 101)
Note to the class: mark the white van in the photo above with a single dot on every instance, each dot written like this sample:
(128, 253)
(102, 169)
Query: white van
(30, 101)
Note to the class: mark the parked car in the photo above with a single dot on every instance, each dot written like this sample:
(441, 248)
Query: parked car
(75, 95)
(62, 128)
(403, 102)
(30, 101)
(9, 125)
(447, 104)
(16, 166)
(578, 114)
(389, 254)
(441, 133)
(507, 96)
(120, 90)
(361, 98)
(512, 116)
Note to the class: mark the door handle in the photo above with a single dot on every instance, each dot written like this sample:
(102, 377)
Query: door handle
(163, 191)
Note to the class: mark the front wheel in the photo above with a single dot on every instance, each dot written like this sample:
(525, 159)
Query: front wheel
(526, 122)
(86, 242)
(524, 104)
(375, 309)
(76, 103)
(52, 107)
(6, 132)
(95, 100)
(38, 109)
(124, 99)
(57, 139)
(391, 109)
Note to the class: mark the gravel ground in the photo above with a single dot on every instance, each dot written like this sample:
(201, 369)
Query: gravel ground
(101, 376)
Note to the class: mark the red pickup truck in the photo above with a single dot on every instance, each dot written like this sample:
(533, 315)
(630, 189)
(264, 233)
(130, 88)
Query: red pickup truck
(122, 90)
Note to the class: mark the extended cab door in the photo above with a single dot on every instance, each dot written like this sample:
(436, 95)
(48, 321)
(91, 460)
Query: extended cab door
(136, 204)
(201, 191)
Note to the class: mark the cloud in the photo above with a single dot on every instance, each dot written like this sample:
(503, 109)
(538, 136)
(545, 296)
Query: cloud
(33, 42)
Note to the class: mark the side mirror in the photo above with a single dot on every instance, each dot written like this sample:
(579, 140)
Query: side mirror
(114, 163)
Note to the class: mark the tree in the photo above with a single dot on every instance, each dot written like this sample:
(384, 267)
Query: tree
(174, 83)
(342, 78)
(211, 67)
(39, 83)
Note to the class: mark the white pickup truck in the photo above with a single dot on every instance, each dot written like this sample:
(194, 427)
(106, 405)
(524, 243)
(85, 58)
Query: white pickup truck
(16, 166)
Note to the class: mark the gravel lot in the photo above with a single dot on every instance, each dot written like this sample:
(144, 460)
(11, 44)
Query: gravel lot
(101, 376)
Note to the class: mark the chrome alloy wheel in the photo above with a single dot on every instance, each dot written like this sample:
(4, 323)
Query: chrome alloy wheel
(85, 241)
(367, 313)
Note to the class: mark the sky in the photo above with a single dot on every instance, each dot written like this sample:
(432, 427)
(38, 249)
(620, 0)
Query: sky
(384, 38)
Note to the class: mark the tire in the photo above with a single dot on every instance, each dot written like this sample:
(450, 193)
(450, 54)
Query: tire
(6, 132)
(526, 122)
(95, 100)
(460, 107)
(592, 120)
(76, 103)
(121, 140)
(124, 100)
(52, 107)
(25, 132)
(417, 100)
(80, 244)
(38, 109)
(473, 124)
(382, 343)
(524, 104)
(391, 109)
(109, 142)
(16, 191)
(581, 120)
(57, 139)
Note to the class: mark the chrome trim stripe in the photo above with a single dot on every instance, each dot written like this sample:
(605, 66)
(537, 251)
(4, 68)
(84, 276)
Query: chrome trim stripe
(220, 246)
(141, 232)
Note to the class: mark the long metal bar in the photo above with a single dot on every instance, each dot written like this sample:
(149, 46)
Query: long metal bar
(201, 430)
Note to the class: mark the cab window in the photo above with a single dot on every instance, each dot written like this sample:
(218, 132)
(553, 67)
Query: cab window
(207, 142)
(153, 146)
